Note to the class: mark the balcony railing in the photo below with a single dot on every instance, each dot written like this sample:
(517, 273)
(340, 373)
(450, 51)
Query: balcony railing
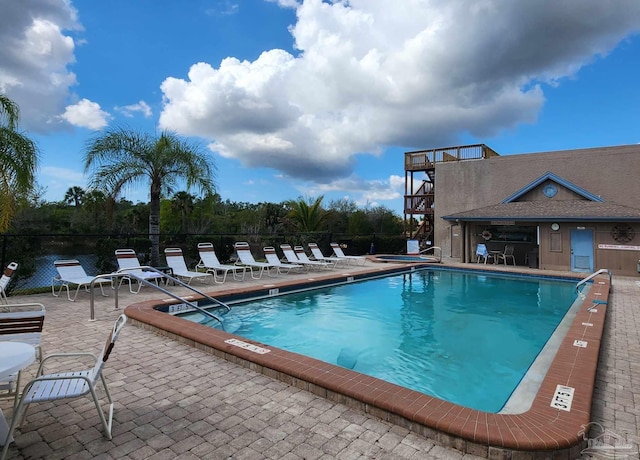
(425, 159)
(419, 204)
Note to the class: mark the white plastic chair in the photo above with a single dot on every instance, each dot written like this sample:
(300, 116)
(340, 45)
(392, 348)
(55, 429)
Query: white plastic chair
(318, 255)
(70, 272)
(6, 278)
(128, 262)
(210, 263)
(175, 260)
(337, 251)
(304, 259)
(66, 385)
(20, 323)
(506, 255)
(272, 258)
(23, 322)
(292, 257)
(246, 258)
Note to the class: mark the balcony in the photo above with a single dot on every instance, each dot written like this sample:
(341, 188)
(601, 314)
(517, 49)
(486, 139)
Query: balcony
(419, 204)
(422, 160)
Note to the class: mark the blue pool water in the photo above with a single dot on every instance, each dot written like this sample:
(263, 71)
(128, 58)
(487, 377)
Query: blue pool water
(464, 337)
(407, 258)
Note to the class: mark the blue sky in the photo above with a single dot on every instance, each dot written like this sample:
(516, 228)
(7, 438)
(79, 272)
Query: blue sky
(314, 98)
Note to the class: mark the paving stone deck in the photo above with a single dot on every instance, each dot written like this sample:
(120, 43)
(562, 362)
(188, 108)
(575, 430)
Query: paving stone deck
(174, 401)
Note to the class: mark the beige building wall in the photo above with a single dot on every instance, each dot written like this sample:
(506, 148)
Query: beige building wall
(613, 173)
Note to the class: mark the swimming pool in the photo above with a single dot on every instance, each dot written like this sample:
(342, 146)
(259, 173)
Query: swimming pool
(407, 258)
(463, 337)
(552, 424)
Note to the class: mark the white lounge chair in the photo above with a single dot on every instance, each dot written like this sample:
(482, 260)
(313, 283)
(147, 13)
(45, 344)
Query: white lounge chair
(71, 272)
(243, 251)
(291, 257)
(67, 385)
(337, 251)
(272, 258)
(318, 255)
(175, 260)
(6, 278)
(209, 263)
(20, 323)
(129, 263)
(304, 259)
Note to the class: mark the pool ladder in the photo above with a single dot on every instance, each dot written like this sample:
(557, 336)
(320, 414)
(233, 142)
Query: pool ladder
(591, 276)
(437, 252)
(167, 278)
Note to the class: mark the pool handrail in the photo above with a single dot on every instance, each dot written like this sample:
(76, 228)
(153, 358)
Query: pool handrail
(124, 272)
(593, 275)
(438, 256)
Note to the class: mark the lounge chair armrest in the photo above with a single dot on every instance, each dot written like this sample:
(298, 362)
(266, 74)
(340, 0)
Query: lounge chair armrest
(64, 355)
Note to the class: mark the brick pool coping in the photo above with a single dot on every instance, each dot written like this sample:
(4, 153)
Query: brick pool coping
(540, 431)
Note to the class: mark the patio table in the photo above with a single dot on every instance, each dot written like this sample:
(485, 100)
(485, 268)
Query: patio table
(494, 255)
(14, 356)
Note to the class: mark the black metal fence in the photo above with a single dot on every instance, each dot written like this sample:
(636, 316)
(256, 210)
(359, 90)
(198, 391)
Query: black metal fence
(36, 253)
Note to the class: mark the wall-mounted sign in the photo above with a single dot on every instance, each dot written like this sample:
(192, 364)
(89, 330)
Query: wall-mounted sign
(503, 222)
(413, 247)
(621, 247)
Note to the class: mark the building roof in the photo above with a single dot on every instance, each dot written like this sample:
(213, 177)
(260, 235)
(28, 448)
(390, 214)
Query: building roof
(553, 210)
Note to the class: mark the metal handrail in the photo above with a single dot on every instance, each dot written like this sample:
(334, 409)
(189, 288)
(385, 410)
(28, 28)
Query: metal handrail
(125, 272)
(593, 275)
(434, 248)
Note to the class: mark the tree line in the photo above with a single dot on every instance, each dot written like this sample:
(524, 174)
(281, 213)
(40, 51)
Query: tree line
(84, 211)
(120, 157)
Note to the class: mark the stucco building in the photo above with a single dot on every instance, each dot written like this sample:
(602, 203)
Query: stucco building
(575, 210)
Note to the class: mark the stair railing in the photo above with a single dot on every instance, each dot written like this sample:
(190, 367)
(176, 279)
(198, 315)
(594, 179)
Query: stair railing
(127, 272)
(582, 282)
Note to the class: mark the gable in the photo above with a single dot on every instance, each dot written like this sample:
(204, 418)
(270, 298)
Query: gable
(551, 187)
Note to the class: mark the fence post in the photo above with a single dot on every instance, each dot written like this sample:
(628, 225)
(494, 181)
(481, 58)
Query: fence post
(4, 252)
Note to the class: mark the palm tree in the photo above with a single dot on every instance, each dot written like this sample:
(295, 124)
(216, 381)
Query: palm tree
(183, 202)
(74, 196)
(307, 215)
(121, 158)
(19, 159)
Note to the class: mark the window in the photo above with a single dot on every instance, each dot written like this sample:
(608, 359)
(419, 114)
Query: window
(510, 233)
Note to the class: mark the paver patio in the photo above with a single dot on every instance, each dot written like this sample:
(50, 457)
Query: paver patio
(174, 401)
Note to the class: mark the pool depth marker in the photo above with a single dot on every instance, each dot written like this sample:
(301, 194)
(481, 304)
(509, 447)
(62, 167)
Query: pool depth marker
(562, 398)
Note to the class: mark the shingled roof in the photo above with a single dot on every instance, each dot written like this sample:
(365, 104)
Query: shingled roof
(555, 210)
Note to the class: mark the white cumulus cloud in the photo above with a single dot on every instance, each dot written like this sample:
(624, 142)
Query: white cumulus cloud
(130, 110)
(375, 73)
(86, 114)
(365, 192)
(70, 176)
(34, 58)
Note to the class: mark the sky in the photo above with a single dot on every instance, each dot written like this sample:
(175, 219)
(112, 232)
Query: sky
(302, 98)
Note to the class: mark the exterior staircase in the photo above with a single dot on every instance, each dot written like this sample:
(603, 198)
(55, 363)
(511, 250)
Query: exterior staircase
(419, 204)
